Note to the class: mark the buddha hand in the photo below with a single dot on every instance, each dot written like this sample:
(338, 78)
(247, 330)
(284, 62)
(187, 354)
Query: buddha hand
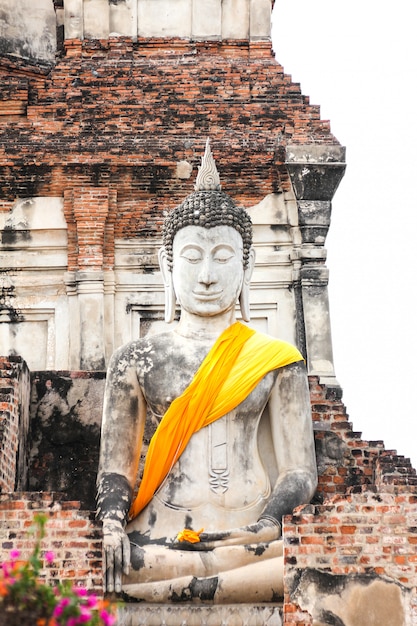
(264, 530)
(116, 554)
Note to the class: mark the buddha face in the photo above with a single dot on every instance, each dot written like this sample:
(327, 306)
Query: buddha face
(207, 269)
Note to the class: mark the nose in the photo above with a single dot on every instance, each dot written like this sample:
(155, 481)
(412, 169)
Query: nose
(207, 275)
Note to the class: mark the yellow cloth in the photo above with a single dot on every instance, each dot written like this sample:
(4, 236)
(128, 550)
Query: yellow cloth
(238, 360)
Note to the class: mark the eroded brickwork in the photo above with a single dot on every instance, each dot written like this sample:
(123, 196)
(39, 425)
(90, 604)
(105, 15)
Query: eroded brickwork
(358, 538)
(118, 116)
(14, 423)
(71, 534)
(346, 461)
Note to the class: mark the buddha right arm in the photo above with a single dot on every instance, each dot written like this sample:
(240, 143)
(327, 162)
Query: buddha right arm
(124, 415)
(114, 495)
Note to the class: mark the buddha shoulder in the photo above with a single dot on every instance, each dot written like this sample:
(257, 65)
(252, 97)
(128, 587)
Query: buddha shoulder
(150, 352)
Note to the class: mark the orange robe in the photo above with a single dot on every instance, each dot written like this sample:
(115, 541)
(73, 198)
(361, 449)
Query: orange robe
(236, 363)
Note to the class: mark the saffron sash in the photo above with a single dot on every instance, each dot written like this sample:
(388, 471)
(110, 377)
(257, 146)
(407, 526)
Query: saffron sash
(238, 360)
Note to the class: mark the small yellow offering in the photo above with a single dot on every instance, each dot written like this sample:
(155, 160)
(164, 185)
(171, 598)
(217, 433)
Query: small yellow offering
(192, 536)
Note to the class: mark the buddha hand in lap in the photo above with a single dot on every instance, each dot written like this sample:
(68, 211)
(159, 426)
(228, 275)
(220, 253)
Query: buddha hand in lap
(233, 451)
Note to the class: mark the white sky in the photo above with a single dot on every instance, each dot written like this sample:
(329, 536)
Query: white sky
(357, 59)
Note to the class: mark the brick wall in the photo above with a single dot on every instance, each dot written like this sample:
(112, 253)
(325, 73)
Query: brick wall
(361, 526)
(346, 461)
(366, 536)
(14, 91)
(14, 423)
(91, 214)
(71, 534)
(118, 115)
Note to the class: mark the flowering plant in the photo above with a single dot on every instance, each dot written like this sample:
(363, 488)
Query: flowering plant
(24, 599)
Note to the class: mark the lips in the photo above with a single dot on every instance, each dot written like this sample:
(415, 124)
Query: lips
(200, 295)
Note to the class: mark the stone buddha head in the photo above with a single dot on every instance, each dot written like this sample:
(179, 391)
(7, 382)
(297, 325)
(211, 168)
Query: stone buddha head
(207, 256)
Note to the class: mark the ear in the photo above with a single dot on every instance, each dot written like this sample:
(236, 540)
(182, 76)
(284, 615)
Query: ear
(244, 294)
(168, 286)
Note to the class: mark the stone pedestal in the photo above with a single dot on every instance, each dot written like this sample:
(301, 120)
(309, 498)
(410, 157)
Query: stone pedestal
(203, 615)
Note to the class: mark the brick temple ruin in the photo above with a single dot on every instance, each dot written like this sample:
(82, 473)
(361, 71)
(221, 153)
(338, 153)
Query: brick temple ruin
(105, 107)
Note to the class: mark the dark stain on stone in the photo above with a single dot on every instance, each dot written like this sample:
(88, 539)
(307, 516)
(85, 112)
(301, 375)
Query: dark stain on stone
(7, 296)
(114, 495)
(92, 363)
(137, 557)
(124, 597)
(331, 450)
(331, 446)
(64, 437)
(11, 236)
(152, 518)
(276, 597)
(204, 588)
(325, 582)
(133, 407)
(140, 539)
(188, 522)
(330, 619)
(201, 588)
(21, 49)
(257, 550)
(171, 489)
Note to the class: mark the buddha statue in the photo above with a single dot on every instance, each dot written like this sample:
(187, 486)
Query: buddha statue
(207, 435)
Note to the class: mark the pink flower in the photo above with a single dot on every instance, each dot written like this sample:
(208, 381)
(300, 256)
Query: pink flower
(80, 591)
(108, 619)
(14, 554)
(85, 615)
(59, 609)
(49, 556)
(91, 601)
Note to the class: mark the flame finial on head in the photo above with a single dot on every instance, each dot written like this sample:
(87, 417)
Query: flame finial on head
(208, 178)
(207, 207)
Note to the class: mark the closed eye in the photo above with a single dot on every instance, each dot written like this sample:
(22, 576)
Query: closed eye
(223, 253)
(223, 258)
(192, 254)
(192, 258)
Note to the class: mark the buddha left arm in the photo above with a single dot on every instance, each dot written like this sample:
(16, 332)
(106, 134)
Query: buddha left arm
(292, 433)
